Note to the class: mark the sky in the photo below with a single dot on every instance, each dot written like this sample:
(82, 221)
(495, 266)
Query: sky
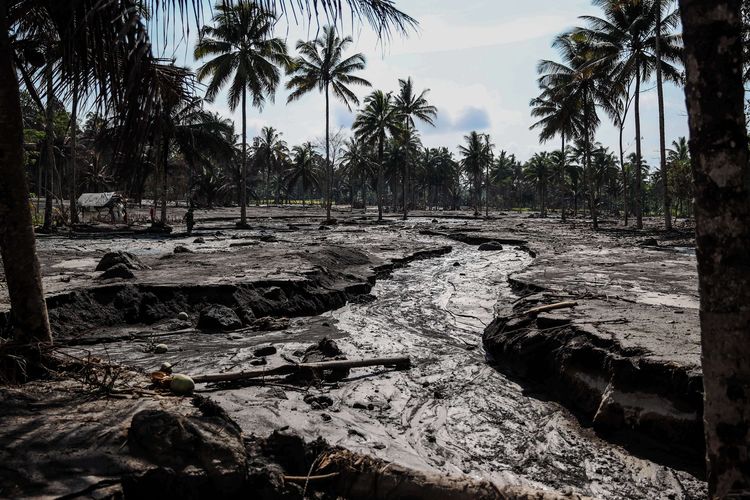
(478, 58)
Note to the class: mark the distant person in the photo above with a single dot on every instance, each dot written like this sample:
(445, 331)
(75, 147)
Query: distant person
(190, 220)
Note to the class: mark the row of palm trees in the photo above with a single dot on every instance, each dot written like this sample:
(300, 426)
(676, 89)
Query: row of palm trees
(603, 68)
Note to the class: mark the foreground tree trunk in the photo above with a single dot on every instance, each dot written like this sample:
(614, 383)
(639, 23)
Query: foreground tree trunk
(719, 150)
(329, 169)
(17, 244)
(381, 146)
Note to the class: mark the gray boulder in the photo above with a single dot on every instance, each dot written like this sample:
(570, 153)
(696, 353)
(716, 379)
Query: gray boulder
(218, 318)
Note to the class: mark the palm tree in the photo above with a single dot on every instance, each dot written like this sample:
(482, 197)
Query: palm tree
(322, 66)
(247, 55)
(581, 81)
(477, 155)
(558, 115)
(304, 168)
(378, 119)
(537, 171)
(411, 106)
(356, 159)
(271, 154)
(105, 43)
(627, 38)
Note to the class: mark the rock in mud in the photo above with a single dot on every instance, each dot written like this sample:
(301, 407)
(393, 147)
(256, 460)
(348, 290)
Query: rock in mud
(120, 271)
(111, 259)
(199, 457)
(182, 249)
(649, 242)
(268, 350)
(218, 318)
(199, 240)
(269, 324)
(490, 246)
(183, 316)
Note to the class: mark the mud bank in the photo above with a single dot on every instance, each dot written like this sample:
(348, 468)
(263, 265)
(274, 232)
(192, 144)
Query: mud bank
(84, 310)
(653, 406)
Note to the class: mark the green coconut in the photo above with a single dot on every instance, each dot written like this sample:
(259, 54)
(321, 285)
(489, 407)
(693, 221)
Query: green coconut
(181, 385)
(161, 348)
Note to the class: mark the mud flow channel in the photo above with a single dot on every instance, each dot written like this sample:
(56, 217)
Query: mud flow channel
(452, 411)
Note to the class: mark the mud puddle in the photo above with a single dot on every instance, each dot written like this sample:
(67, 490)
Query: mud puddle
(451, 412)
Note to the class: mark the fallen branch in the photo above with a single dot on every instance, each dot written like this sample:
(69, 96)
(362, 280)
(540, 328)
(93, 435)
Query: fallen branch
(550, 307)
(399, 361)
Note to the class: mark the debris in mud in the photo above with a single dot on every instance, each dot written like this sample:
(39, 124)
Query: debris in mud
(220, 318)
(111, 259)
(269, 324)
(182, 249)
(649, 242)
(490, 246)
(183, 316)
(120, 271)
(363, 299)
(160, 348)
(199, 240)
(265, 351)
(318, 402)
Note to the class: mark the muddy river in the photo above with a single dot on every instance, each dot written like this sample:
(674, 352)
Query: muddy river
(451, 411)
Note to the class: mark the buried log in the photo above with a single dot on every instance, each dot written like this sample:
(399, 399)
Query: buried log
(397, 361)
(351, 475)
(550, 307)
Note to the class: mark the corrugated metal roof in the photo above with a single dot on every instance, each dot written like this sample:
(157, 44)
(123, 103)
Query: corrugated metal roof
(97, 200)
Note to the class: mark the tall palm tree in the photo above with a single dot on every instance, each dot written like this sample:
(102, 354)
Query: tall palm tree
(558, 114)
(477, 155)
(627, 38)
(105, 43)
(378, 119)
(356, 159)
(322, 66)
(580, 80)
(538, 172)
(247, 55)
(304, 169)
(271, 154)
(411, 106)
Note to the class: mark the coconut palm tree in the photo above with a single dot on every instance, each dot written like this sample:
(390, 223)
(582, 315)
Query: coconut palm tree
(581, 79)
(477, 156)
(558, 114)
(357, 160)
(271, 154)
(537, 170)
(378, 120)
(322, 66)
(626, 39)
(106, 44)
(247, 58)
(304, 168)
(412, 106)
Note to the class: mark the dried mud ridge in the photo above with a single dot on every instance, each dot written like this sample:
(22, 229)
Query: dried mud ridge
(84, 311)
(652, 407)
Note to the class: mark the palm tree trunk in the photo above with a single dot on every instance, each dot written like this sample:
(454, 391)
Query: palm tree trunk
(638, 160)
(381, 145)
(49, 143)
(624, 173)
(329, 169)
(562, 177)
(719, 150)
(587, 168)
(17, 242)
(243, 179)
(662, 139)
(163, 172)
(74, 155)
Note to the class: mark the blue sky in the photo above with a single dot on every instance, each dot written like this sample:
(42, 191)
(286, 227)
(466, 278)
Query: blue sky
(478, 58)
